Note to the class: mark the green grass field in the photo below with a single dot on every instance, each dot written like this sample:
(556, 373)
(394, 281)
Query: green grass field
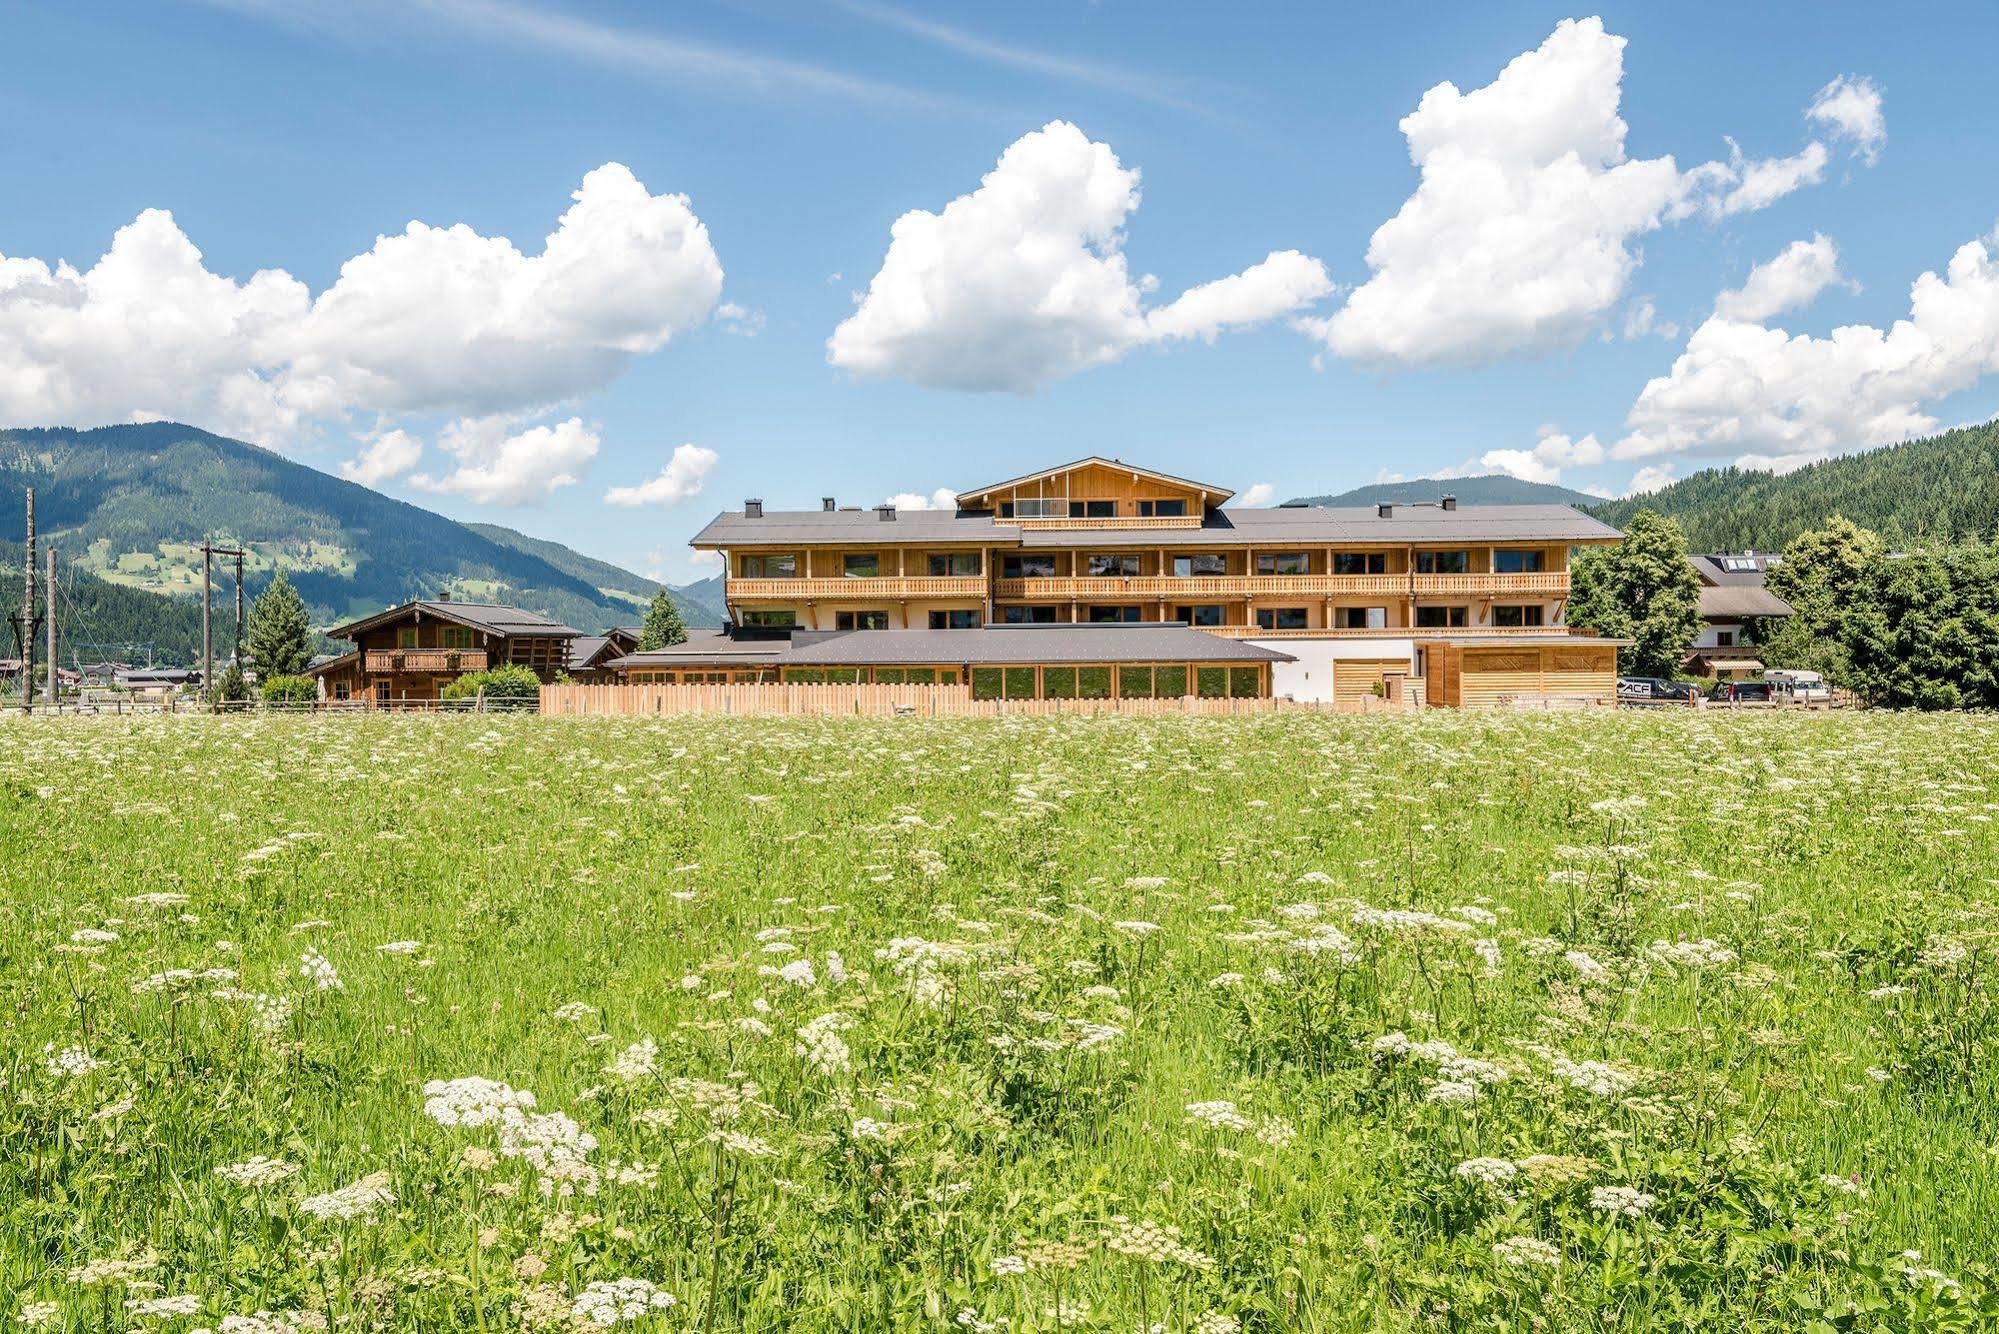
(1448, 1021)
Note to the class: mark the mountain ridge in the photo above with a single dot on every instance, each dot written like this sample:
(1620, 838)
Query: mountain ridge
(1488, 489)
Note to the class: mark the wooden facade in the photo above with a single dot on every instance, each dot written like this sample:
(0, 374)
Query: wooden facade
(408, 654)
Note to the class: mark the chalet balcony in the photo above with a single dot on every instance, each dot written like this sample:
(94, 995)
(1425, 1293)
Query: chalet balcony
(1397, 632)
(857, 590)
(1091, 588)
(424, 660)
(1126, 521)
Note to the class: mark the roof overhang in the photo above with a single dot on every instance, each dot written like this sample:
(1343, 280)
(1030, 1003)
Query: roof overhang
(1212, 495)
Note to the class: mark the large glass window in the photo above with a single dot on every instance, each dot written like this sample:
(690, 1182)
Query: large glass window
(955, 619)
(1535, 614)
(763, 566)
(1027, 567)
(1202, 615)
(1360, 562)
(1162, 509)
(862, 565)
(406, 636)
(1106, 567)
(860, 620)
(1099, 509)
(1204, 566)
(954, 564)
(1360, 618)
(1443, 562)
(455, 636)
(1041, 509)
(1027, 615)
(1112, 615)
(1283, 562)
(1519, 562)
(1441, 618)
(775, 619)
(1281, 618)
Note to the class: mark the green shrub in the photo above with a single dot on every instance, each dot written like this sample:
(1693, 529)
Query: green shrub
(1020, 683)
(1245, 682)
(231, 687)
(1134, 682)
(1093, 683)
(511, 682)
(1211, 682)
(987, 682)
(1058, 682)
(289, 690)
(1169, 681)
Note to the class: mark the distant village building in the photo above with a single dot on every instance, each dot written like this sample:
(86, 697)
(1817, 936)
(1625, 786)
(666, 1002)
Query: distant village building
(1100, 577)
(1733, 601)
(591, 656)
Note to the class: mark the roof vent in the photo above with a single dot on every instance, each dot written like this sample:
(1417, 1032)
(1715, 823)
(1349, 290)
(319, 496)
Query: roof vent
(826, 505)
(886, 513)
(1450, 502)
(1385, 510)
(445, 596)
(753, 509)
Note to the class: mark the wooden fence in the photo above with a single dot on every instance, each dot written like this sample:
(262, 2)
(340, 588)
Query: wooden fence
(831, 699)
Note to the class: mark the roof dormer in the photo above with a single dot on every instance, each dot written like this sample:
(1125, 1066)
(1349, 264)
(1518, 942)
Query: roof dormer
(1096, 493)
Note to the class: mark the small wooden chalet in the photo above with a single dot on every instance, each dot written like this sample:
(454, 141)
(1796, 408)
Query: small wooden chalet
(591, 656)
(408, 654)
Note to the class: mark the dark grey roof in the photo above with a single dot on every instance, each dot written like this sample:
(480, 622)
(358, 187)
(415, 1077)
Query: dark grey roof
(1714, 570)
(712, 648)
(486, 616)
(1238, 527)
(1145, 641)
(1742, 600)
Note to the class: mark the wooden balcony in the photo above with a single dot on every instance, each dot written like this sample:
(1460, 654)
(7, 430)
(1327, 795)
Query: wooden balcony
(1096, 588)
(1127, 521)
(1397, 632)
(425, 660)
(1545, 583)
(856, 590)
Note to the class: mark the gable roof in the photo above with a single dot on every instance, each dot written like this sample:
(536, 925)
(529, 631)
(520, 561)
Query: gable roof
(490, 618)
(1220, 493)
(1742, 600)
(586, 649)
(1714, 569)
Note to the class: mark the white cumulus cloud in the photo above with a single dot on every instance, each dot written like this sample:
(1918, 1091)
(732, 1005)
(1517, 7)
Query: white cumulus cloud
(943, 498)
(1777, 400)
(680, 479)
(1258, 496)
(1791, 280)
(1519, 234)
(1024, 280)
(1850, 107)
(1649, 478)
(497, 465)
(383, 458)
(1551, 453)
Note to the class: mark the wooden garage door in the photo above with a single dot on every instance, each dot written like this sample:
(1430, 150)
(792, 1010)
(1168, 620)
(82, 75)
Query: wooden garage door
(1354, 679)
(1493, 676)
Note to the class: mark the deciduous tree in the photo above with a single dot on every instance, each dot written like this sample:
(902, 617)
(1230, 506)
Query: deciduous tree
(1642, 590)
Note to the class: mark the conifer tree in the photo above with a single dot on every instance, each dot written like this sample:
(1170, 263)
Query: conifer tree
(663, 627)
(280, 632)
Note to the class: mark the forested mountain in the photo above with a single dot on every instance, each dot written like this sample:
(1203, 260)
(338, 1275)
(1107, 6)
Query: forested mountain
(128, 503)
(98, 621)
(708, 592)
(1941, 489)
(695, 608)
(1495, 489)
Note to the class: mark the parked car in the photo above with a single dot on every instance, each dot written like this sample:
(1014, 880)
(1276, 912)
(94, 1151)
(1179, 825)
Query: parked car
(1741, 692)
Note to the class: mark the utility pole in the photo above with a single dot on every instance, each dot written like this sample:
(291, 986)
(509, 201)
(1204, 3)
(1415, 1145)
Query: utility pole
(239, 608)
(25, 633)
(55, 682)
(209, 551)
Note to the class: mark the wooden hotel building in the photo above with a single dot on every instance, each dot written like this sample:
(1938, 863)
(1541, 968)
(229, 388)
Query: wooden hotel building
(1106, 569)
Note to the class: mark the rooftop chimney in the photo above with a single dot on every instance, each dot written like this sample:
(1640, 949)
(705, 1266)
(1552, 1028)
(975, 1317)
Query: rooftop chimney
(826, 505)
(886, 513)
(753, 509)
(1385, 510)
(1450, 502)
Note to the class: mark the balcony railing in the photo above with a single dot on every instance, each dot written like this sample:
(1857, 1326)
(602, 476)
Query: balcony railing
(864, 589)
(424, 660)
(1397, 632)
(1125, 521)
(1096, 587)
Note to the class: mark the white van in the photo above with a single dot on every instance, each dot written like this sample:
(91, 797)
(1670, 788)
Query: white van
(1801, 686)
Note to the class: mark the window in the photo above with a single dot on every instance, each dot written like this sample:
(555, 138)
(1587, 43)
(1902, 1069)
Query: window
(770, 567)
(1109, 567)
(1027, 615)
(771, 620)
(860, 620)
(406, 636)
(1205, 615)
(1519, 562)
(381, 692)
(1739, 564)
(1006, 509)
(1200, 567)
(1441, 618)
(342, 690)
(1360, 618)
(1027, 567)
(954, 619)
(1099, 509)
(1535, 614)
(1162, 509)
(456, 636)
(955, 564)
(1724, 639)
(862, 565)
(1281, 618)
(1112, 615)
(1443, 562)
(1041, 509)
(1283, 562)
(1360, 562)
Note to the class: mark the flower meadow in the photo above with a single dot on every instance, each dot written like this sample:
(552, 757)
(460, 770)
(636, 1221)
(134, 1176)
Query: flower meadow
(1464, 1021)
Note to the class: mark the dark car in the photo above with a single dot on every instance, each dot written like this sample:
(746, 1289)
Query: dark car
(1740, 692)
(1653, 690)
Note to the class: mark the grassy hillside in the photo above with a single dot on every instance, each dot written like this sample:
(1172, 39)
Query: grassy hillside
(614, 582)
(131, 502)
(99, 621)
(1496, 489)
(1941, 489)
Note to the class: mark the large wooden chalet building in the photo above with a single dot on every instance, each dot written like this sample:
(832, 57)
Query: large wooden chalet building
(1100, 577)
(409, 653)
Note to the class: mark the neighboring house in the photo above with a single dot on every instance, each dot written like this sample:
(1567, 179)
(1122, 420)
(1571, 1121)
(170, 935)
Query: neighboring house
(156, 682)
(590, 656)
(1733, 601)
(411, 652)
(1333, 603)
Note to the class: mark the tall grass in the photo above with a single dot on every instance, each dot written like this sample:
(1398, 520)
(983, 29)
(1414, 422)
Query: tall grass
(1465, 1021)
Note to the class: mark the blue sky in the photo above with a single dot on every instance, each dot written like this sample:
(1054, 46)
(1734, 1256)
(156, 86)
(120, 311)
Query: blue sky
(290, 136)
